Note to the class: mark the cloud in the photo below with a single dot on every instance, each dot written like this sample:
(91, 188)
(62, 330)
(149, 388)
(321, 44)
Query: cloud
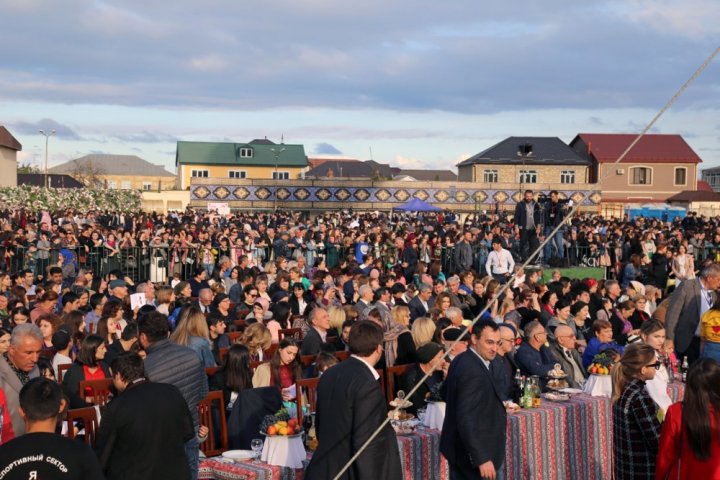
(326, 149)
(47, 125)
(145, 137)
(408, 163)
(464, 57)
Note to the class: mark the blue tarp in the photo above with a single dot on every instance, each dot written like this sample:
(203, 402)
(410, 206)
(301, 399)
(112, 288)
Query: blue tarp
(417, 205)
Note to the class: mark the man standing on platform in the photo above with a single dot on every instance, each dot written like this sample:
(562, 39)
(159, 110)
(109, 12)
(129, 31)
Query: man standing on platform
(350, 407)
(474, 431)
(527, 224)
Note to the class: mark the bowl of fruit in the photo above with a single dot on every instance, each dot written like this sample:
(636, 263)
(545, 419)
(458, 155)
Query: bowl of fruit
(280, 425)
(601, 364)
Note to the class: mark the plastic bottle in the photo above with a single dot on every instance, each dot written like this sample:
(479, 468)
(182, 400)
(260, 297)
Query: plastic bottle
(684, 369)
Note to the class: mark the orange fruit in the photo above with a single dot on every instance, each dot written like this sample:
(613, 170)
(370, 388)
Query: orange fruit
(283, 431)
(272, 430)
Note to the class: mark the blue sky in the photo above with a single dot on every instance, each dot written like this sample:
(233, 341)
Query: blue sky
(422, 84)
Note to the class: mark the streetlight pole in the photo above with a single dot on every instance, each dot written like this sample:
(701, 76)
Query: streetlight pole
(276, 154)
(47, 137)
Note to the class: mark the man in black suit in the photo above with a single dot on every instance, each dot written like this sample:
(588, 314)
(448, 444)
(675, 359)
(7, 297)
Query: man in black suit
(144, 430)
(528, 222)
(350, 407)
(317, 333)
(474, 431)
(420, 304)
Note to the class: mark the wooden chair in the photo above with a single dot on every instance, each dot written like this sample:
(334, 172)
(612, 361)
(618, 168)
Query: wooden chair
(240, 324)
(296, 332)
(391, 373)
(234, 336)
(62, 368)
(270, 351)
(100, 390)
(205, 412)
(309, 386)
(210, 371)
(307, 360)
(381, 379)
(88, 417)
(342, 356)
(221, 354)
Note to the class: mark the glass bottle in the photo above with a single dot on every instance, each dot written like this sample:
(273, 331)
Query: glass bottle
(536, 391)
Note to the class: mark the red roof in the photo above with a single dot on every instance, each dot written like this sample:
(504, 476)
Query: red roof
(7, 140)
(652, 148)
(695, 196)
(703, 186)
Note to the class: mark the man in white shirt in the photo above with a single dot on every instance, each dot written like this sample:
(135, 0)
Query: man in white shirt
(500, 262)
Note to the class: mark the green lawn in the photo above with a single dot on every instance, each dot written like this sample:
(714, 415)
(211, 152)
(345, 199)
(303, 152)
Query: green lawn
(575, 272)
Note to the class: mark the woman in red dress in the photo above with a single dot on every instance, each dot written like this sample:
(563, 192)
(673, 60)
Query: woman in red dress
(690, 438)
(89, 365)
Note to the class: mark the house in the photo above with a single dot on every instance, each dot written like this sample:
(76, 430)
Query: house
(125, 172)
(258, 159)
(700, 201)
(657, 167)
(426, 176)
(526, 161)
(712, 177)
(348, 168)
(9, 146)
(54, 180)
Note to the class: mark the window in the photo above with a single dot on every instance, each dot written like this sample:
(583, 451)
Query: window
(490, 176)
(640, 176)
(112, 184)
(199, 173)
(680, 176)
(281, 175)
(147, 186)
(567, 176)
(126, 185)
(527, 176)
(237, 174)
(246, 153)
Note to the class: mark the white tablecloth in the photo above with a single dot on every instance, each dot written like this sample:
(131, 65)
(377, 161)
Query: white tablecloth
(284, 451)
(599, 386)
(435, 415)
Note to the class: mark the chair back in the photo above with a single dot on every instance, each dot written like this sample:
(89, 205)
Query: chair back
(271, 351)
(210, 371)
(221, 354)
(214, 402)
(309, 386)
(256, 363)
(99, 390)
(307, 360)
(88, 417)
(296, 332)
(62, 368)
(381, 377)
(342, 356)
(392, 372)
(234, 336)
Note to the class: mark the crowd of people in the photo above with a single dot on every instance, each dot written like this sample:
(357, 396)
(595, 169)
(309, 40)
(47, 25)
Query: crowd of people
(151, 301)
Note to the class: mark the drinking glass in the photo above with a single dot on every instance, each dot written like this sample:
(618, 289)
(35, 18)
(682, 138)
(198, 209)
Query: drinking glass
(256, 445)
(421, 413)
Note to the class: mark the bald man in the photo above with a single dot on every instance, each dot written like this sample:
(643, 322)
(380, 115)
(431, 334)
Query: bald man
(568, 356)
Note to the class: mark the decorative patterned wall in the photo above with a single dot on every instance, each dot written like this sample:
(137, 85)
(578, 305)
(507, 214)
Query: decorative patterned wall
(367, 194)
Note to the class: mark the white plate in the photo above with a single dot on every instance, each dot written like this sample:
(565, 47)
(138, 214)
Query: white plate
(571, 391)
(239, 455)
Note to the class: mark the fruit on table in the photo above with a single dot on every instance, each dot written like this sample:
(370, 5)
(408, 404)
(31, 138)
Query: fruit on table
(598, 369)
(284, 428)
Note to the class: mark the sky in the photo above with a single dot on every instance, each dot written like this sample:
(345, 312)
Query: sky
(417, 84)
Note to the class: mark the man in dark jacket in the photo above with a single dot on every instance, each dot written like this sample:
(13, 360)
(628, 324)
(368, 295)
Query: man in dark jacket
(533, 357)
(350, 407)
(474, 431)
(143, 430)
(528, 221)
(177, 365)
(462, 254)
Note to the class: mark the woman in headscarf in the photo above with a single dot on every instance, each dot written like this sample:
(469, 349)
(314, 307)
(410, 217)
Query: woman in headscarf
(398, 341)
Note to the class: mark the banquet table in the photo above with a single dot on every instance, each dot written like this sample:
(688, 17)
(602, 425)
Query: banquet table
(419, 455)
(561, 440)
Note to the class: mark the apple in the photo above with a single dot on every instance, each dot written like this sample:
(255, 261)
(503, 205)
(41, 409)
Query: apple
(272, 430)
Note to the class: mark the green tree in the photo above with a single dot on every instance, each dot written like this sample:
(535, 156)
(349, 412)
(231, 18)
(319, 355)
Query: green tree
(27, 168)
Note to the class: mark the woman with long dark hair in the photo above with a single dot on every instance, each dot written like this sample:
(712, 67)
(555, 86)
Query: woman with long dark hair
(89, 365)
(690, 439)
(283, 370)
(235, 374)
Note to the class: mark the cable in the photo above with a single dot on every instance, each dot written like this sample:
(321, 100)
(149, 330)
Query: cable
(548, 237)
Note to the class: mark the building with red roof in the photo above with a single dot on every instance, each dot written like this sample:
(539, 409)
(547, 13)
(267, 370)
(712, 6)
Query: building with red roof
(655, 169)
